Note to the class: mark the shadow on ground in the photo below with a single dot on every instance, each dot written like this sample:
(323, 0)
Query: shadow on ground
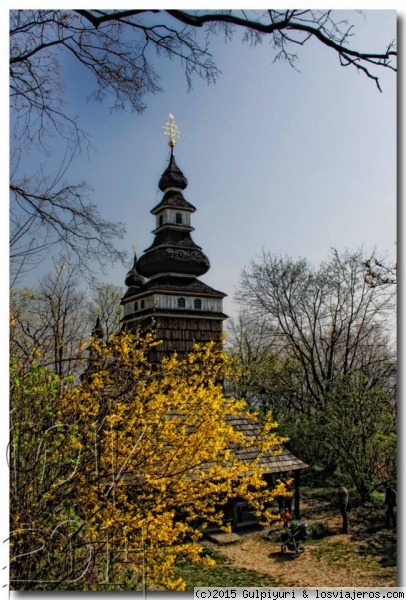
(283, 558)
(376, 539)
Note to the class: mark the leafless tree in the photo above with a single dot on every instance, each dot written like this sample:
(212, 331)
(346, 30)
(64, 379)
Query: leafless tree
(270, 379)
(46, 215)
(378, 271)
(50, 323)
(106, 305)
(330, 320)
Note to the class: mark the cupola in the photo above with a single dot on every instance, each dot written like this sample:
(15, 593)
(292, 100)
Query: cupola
(133, 278)
(172, 177)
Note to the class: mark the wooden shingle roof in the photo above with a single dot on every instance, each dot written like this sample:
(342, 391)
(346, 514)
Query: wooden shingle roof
(283, 462)
(173, 199)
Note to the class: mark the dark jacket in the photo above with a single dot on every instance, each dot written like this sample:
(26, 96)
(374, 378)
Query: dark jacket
(342, 496)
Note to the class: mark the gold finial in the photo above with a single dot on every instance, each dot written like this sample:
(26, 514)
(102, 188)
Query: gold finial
(134, 249)
(172, 130)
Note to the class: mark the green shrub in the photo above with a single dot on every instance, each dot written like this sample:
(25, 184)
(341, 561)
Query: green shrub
(318, 530)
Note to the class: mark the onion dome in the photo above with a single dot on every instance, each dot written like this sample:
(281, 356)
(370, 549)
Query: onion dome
(173, 259)
(172, 176)
(133, 278)
(98, 331)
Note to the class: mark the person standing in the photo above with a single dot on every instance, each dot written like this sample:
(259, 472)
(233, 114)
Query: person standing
(390, 502)
(342, 494)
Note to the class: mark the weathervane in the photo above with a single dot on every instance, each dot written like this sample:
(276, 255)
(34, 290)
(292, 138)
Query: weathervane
(172, 130)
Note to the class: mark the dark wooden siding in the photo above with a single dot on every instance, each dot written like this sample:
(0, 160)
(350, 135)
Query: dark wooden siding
(179, 334)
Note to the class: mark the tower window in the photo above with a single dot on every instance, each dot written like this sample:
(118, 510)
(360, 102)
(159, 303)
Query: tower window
(198, 304)
(181, 303)
(161, 220)
(179, 218)
(142, 303)
(136, 306)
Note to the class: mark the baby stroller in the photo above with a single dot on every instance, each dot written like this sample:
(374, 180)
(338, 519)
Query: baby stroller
(291, 540)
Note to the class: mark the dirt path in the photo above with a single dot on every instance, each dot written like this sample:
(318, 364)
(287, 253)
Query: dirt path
(335, 561)
(309, 569)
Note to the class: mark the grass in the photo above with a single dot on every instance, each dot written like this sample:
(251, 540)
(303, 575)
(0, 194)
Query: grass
(222, 574)
(355, 557)
(335, 552)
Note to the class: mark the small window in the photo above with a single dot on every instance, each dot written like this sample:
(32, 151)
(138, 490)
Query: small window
(161, 220)
(179, 218)
(181, 303)
(142, 303)
(198, 304)
(136, 306)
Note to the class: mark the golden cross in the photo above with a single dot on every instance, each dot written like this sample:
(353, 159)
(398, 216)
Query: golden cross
(172, 130)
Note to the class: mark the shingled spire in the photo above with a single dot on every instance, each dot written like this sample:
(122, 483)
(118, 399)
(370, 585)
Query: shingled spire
(172, 177)
(173, 250)
(184, 309)
(98, 331)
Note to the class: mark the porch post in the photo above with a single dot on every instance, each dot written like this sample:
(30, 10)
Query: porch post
(297, 494)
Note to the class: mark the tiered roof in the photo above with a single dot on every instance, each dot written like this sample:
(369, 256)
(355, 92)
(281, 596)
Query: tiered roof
(173, 261)
(173, 199)
(173, 250)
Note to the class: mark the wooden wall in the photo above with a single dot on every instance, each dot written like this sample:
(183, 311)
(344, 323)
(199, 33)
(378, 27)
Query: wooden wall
(178, 334)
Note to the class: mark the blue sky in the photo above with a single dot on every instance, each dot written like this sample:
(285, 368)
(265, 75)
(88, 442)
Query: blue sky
(293, 162)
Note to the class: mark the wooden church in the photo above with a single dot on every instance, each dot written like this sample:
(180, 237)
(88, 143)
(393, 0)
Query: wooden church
(164, 290)
(163, 284)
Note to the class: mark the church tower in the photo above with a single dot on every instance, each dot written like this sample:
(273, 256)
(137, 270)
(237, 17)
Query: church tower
(163, 285)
